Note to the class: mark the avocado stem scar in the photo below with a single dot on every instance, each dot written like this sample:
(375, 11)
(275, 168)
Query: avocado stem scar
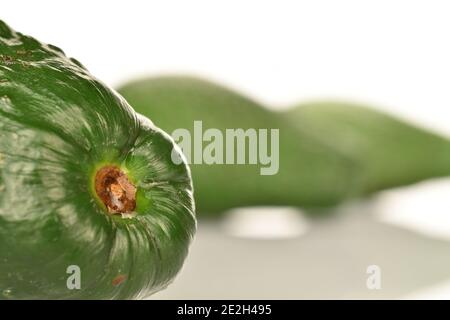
(115, 190)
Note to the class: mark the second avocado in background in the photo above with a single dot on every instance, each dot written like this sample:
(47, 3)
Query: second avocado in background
(328, 152)
(310, 174)
(390, 152)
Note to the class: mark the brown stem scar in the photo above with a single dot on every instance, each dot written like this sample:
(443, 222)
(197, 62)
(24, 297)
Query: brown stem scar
(115, 190)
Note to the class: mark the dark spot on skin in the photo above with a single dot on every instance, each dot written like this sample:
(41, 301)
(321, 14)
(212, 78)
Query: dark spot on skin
(118, 280)
(6, 60)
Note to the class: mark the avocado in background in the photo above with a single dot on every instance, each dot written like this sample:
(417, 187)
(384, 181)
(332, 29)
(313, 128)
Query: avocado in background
(389, 151)
(311, 174)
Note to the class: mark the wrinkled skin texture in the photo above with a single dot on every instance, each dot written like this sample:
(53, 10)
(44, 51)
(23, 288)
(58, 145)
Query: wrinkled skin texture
(58, 126)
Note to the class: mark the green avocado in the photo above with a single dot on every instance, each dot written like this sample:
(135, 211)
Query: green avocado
(328, 152)
(310, 173)
(390, 151)
(91, 204)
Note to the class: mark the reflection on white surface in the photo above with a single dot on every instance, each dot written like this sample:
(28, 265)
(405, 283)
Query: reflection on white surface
(423, 208)
(436, 292)
(265, 223)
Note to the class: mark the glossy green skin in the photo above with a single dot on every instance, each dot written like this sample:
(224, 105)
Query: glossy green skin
(390, 152)
(311, 174)
(58, 124)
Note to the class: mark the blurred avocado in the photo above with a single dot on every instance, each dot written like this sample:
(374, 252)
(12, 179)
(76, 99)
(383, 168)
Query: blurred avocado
(328, 151)
(389, 151)
(311, 174)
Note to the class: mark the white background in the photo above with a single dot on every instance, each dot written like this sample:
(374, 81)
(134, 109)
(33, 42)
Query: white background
(392, 54)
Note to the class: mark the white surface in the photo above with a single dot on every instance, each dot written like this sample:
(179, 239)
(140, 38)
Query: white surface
(394, 54)
(437, 292)
(330, 260)
(423, 208)
(265, 223)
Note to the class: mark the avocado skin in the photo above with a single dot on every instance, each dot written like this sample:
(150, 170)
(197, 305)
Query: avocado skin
(390, 152)
(58, 124)
(311, 174)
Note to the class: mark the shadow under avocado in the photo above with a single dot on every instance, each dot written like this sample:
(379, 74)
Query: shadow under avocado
(328, 262)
